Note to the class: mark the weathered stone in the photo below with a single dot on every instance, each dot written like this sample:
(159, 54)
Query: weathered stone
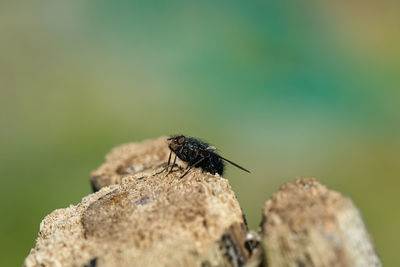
(148, 219)
(132, 159)
(142, 217)
(305, 224)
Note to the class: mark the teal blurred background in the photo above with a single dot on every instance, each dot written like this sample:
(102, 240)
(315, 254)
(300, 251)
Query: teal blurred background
(286, 89)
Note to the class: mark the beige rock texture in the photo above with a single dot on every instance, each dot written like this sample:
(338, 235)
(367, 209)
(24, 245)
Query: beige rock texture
(305, 224)
(145, 218)
(140, 216)
(131, 160)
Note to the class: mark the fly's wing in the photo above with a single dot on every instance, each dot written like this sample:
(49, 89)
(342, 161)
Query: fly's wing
(211, 149)
(234, 164)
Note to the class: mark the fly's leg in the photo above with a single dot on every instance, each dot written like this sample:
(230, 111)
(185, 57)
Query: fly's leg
(169, 157)
(173, 164)
(193, 165)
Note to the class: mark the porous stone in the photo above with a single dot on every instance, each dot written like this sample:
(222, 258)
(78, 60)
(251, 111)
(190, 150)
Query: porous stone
(305, 224)
(140, 216)
(146, 218)
(132, 159)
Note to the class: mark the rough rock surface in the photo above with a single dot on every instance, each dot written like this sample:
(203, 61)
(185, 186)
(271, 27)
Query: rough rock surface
(305, 224)
(148, 219)
(141, 217)
(132, 159)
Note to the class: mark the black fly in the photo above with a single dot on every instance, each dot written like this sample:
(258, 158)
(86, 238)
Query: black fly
(197, 154)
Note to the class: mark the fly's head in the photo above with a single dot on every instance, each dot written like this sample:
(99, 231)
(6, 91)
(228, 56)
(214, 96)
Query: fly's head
(175, 143)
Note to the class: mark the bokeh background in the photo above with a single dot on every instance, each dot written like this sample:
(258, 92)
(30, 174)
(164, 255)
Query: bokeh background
(286, 89)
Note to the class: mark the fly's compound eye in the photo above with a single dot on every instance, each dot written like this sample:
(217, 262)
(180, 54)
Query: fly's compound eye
(174, 142)
(181, 140)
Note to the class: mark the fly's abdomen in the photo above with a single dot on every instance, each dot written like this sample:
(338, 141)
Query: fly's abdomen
(213, 165)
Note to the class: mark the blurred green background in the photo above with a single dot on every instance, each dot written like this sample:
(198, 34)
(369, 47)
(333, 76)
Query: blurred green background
(286, 89)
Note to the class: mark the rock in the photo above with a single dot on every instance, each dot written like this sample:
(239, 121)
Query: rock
(145, 218)
(133, 159)
(305, 224)
(139, 216)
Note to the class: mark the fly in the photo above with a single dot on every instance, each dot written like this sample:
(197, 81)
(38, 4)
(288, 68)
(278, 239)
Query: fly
(197, 154)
